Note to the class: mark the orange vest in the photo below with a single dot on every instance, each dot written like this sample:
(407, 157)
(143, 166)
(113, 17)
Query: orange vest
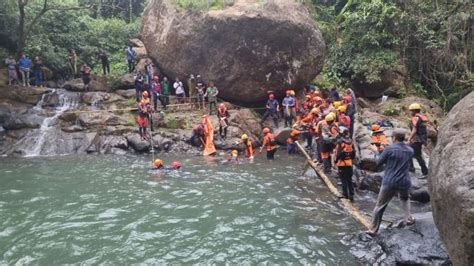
(346, 149)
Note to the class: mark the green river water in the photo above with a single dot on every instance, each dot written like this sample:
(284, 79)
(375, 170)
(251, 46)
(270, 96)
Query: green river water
(115, 210)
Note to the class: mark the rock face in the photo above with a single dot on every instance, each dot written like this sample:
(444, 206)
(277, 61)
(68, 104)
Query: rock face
(452, 182)
(418, 244)
(392, 84)
(247, 48)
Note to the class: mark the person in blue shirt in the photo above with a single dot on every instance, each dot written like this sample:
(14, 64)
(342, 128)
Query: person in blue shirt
(25, 64)
(288, 105)
(272, 109)
(131, 56)
(396, 180)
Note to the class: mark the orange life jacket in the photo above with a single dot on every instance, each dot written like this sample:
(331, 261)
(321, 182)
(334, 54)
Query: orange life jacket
(269, 141)
(344, 153)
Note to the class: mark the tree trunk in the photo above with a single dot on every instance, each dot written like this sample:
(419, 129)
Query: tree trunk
(21, 29)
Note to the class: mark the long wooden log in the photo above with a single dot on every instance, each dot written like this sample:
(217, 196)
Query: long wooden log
(347, 203)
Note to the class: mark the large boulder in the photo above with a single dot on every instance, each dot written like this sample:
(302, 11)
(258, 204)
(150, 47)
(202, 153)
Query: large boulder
(451, 182)
(246, 48)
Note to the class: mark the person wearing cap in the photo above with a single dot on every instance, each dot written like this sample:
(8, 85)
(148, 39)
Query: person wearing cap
(396, 180)
(378, 140)
(249, 150)
(327, 131)
(272, 108)
(288, 105)
(418, 136)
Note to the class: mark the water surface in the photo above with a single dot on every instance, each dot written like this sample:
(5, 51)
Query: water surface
(114, 210)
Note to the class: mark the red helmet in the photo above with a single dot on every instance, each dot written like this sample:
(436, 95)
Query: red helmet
(176, 165)
(266, 130)
(145, 94)
(348, 98)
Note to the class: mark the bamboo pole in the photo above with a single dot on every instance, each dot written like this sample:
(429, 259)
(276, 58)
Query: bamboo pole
(347, 203)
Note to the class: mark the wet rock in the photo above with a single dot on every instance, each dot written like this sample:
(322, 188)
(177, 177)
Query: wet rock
(248, 122)
(370, 181)
(20, 94)
(245, 48)
(110, 144)
(19, 121)
(416, 244)
(97, 120)
(97, 84)
(451, 182)
(139, 145)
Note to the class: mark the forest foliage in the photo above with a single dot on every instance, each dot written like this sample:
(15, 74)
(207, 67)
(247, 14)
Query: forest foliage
(430, 41)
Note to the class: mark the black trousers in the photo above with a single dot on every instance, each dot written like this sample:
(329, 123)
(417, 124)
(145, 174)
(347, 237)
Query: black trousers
(417, 146)
(269, 113)
(345, 174)
(105, 67)
(271, 154)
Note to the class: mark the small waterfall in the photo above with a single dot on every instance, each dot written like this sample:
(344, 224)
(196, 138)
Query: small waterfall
(67, 101)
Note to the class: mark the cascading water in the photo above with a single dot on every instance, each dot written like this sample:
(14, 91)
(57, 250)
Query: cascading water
(33, 143)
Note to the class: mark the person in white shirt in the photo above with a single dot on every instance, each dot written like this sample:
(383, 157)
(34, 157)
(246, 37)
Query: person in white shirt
(179, 89)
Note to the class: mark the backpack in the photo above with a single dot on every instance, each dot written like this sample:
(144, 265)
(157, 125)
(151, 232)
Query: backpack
(421, 127)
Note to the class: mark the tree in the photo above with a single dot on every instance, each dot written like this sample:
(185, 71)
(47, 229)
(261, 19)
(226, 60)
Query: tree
(25, 27)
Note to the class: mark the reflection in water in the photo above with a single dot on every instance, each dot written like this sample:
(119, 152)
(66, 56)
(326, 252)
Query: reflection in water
(116, 210)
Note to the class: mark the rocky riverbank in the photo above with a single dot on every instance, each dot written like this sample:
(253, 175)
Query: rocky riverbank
(43, 121)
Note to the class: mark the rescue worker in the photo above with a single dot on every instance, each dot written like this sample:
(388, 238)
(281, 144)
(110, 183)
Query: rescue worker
(142, 118)
(269, 142)
(272, 109)
(249, 151)
(197, 137)
(345, 153)
(158, 164)
(288, 105)
(342, 118)
(290, 142)
(223, 116)
(309, 122)
(233, 157)
(379, 140)
(328, 132)
(418, 136)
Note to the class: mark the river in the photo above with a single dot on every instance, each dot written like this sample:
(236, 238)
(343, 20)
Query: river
(115, 210)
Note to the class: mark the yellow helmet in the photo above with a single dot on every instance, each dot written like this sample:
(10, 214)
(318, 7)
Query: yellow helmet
(414, 106)
(336, 104)
(330, 117)
(342, 109)
(244, 136)
(292, 92)
(235, 153)
(158, 162)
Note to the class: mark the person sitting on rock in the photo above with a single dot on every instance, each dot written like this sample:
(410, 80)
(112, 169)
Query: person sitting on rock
(249, 150)
(396, 180)
(378, 140)
(142, 118)
(272, 108)
(86, 76)
(269, 142)
(345, 153)
(223, 116)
